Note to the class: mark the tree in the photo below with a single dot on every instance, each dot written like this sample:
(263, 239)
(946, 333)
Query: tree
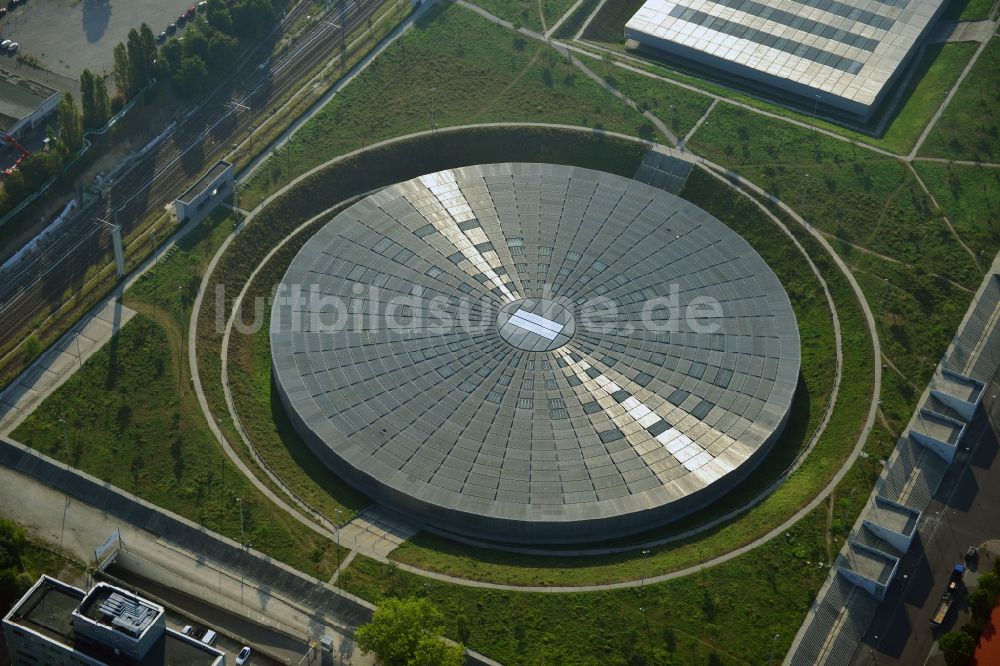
(138, 72)
(121, 70)
(433, 651)
(147, 47)
(252, 18)
(87, 97)
(958, 648)
(407, 632)
(102, 104)
(70, 124)
(94, 100)
(191, 76)
(218, 16)
(221, 51)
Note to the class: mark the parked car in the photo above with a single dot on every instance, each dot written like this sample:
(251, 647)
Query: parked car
(203, 5)
(171, 29)
(4, 44)
(190, 12)
(13, 46)
(181, 20)
(206, 636)
(971, 555)
(162, 37)
(244, 656)
(3, 12)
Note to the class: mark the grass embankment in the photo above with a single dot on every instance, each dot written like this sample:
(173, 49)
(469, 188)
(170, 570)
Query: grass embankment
(817, 375)
(133, 420)
(537, 15)
(969, 129)
(259, 407)
(725, 615)
(453, 68)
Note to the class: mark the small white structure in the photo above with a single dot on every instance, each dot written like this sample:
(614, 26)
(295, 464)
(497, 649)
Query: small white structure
(201, 198)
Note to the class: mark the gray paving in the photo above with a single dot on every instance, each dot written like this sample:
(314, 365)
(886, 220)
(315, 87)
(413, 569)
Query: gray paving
(67, 36)
(543, 382)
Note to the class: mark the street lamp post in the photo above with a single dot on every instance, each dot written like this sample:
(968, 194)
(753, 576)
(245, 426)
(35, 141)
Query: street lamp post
(62, 422)
(338, 543)
(774, 640)
(239, 501)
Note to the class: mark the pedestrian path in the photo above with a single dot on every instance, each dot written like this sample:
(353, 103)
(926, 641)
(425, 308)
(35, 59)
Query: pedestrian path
(59, 362)
(376, 532)
(964, 31)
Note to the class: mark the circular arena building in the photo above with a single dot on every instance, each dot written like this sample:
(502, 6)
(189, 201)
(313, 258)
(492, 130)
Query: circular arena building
(533, 353)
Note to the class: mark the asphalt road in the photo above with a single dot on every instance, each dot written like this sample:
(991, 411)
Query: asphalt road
(233, 629)
(963, 513)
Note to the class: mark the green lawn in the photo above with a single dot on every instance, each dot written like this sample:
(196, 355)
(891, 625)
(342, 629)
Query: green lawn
(455, 67)
(677, 107)
(935, 72)
(132, 419)
(969, 129)
(572, 25)
(609, 24)
(863, 199)
(537, 15)
(970, 197)
(727, 614)
(968, 10)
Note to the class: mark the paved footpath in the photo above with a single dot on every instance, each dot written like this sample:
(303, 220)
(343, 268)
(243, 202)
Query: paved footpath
(59, 362)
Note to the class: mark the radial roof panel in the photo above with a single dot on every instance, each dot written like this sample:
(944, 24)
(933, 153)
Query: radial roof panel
(842, 53)
(506, 351)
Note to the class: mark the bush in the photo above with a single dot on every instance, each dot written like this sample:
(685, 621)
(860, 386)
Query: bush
(958, 648)
(407, 632)
(32, 348)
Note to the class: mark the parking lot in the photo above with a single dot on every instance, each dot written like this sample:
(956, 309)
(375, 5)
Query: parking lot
(68, 36)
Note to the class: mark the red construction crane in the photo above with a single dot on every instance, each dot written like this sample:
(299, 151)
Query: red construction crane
(19, 148)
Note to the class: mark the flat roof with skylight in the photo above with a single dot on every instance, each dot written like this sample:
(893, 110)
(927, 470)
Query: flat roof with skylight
(510, 352)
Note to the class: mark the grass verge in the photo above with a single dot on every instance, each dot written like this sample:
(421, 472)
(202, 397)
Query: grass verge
(537, 15)
(969, 129)
(872, 204)
(454, 67)
(727, 614)
(131, 418)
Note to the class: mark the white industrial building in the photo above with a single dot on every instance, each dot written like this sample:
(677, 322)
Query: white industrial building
(839, 55)
(58, 625)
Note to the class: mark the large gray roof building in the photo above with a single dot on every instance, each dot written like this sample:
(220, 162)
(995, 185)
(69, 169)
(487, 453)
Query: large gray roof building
(534, 353)
(840, 54)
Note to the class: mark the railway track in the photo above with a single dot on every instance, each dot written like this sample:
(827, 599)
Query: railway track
(199, 138)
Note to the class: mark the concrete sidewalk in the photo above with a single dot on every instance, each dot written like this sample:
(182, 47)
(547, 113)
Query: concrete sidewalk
(59, 362)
